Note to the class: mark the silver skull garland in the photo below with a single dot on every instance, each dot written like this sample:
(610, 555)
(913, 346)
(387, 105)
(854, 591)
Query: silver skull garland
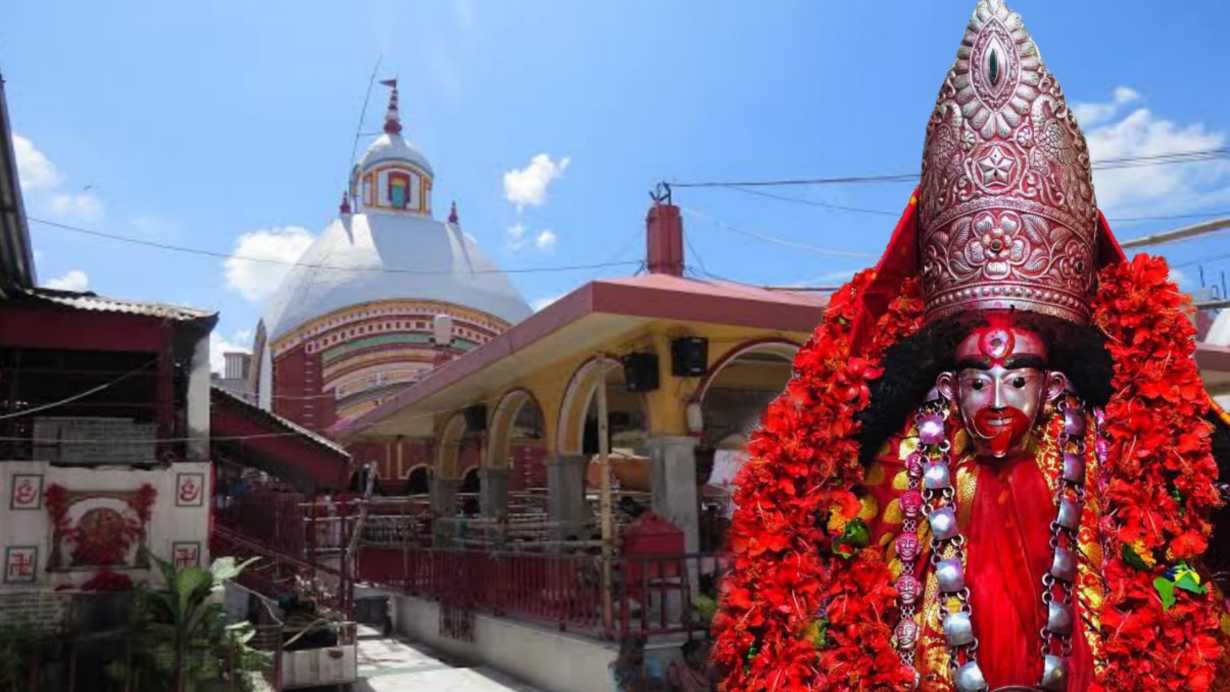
(930, 489)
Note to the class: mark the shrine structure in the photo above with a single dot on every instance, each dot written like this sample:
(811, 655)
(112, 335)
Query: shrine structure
(384, 295)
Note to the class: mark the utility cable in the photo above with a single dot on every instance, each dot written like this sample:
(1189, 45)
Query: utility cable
(886, 212)
(381, 270)
(771, 239)
(75, 397)
(1194, 156)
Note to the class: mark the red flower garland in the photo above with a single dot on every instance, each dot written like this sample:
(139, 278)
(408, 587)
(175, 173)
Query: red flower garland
(786, 579)
(794, 615)
(1159, 490)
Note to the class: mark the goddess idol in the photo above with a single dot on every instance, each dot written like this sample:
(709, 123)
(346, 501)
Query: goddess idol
(993, 467)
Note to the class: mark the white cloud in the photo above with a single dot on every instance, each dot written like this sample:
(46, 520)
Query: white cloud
(1090, 114)
(545, 240)
(35, 170)
(528, 186)
(73, 280)
(540, 303)
(80, 206)
(219, 346)
(1156, 189)
(516, 236)
(256, 281)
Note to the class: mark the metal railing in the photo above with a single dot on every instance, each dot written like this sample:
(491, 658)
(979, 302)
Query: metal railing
(276, 573)
(658, 594)
(666, 594)
(558, 589)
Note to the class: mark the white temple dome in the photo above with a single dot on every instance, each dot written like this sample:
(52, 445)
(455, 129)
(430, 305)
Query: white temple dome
(353, 319)
(394, 148)
(385, 245)
(368, 257)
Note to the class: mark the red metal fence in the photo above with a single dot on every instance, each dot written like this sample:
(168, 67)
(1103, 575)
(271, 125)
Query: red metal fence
(665, 594)
(304, 546)
(322, 578)
(563, 590)
(650, 594)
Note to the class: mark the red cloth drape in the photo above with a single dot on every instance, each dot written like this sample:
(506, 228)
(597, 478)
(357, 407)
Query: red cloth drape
(1009, 551)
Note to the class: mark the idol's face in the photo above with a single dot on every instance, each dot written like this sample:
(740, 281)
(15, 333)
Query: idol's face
(1000, 385)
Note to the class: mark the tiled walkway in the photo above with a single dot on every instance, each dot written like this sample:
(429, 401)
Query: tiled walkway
(389, 665)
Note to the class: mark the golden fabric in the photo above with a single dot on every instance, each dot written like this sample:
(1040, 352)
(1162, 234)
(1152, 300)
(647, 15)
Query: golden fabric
(932, 660)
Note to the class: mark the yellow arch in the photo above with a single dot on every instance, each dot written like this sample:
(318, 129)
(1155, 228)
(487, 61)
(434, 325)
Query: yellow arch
(500, 430)
(784, 348)
(580, 392)
(448, 448)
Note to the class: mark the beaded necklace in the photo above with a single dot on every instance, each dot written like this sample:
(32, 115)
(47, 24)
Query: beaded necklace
(930, 492)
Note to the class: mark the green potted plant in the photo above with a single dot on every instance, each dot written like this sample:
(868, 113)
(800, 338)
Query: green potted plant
(180, 638)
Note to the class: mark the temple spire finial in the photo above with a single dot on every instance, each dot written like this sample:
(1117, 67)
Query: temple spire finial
(344, 207)
(392, 119)
(452, 214)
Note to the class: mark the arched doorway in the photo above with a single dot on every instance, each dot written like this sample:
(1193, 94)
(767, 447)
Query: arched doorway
(578, 421)
(740, 386)
(574, 493)
(732, 399)
(515, 474)
(418, 481)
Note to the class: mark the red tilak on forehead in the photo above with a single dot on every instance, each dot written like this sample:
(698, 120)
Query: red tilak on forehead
(997, 339)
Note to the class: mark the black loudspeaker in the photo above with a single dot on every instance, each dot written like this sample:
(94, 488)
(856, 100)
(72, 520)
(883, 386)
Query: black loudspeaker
(641, 372)
(689, 356)
(476, 418)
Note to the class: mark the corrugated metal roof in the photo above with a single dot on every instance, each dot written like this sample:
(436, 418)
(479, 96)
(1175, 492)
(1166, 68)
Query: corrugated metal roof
(284, 423)
(89, 300)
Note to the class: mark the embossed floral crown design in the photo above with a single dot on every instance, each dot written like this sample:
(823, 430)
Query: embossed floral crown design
(1007, 214)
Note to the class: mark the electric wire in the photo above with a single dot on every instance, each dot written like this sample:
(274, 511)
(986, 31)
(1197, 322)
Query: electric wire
(354, 148)
(687, 240)
(1194, 156)
(380, 270)
(75, 397)
(772, 239)
(226, 438)
(885, 212)
(812, 202)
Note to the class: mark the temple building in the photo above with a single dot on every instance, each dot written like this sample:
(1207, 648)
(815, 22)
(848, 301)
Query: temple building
(384, 295)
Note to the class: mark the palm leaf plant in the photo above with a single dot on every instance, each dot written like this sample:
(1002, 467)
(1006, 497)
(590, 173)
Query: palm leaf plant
(180, 637)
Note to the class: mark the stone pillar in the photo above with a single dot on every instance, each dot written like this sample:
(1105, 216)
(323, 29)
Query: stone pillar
(493, 492)
(566, 493)
(443, 492)
(673, 475)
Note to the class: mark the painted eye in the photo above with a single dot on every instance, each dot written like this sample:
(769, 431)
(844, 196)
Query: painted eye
(1018, 382)
(977, 385)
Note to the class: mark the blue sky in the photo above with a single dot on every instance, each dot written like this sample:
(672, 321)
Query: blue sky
(230, 125)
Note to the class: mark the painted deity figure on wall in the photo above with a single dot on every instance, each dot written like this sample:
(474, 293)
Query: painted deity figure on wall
(994, 466)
